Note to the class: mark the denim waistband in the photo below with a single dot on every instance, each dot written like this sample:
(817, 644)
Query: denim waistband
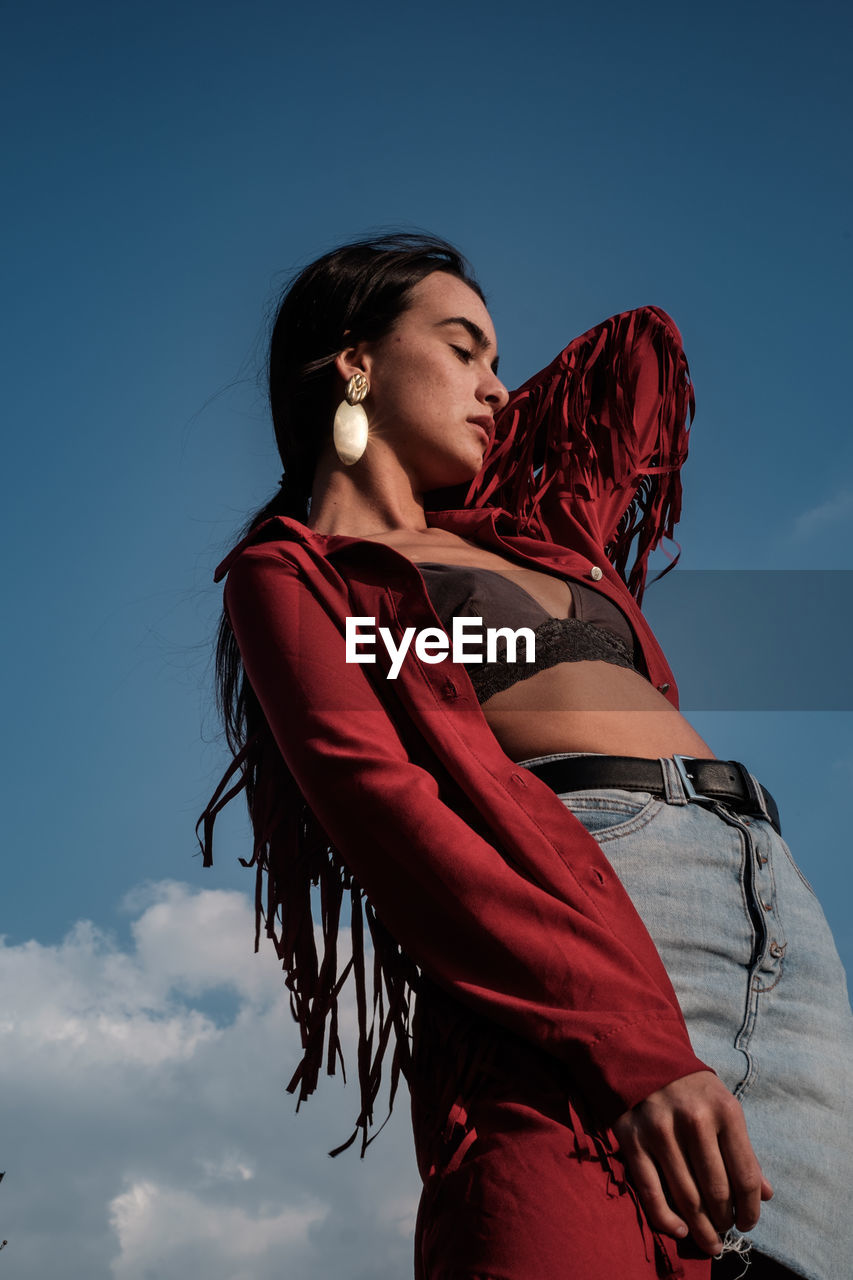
(676, 787)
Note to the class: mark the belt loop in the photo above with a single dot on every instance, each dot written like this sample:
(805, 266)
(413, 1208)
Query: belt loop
(673, 786)
(756, 795)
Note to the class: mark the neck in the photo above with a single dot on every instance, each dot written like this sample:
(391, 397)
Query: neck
(374, 496)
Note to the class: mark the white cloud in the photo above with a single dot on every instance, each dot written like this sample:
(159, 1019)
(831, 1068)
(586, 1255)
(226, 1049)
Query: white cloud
(228, 1168)
(147, 1131)
(159, 1226)
(816, 520)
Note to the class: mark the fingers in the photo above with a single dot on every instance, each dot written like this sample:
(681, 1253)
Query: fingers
(748, 1185)
(698, 1192)
(647, 1183)
(706, 1182)
(689, 1156)
(664, 1182)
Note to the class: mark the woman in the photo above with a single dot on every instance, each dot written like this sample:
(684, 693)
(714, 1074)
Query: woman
(564, 1124)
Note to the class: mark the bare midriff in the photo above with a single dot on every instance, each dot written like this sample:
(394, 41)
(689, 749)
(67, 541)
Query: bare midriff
(573, 706)
(589, 706)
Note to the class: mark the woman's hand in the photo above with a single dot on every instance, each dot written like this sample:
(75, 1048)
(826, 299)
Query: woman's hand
(691, 1161)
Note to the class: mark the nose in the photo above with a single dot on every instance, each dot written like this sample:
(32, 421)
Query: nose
(496, 394)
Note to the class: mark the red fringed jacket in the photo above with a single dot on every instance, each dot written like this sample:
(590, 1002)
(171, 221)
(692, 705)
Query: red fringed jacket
(462, 863)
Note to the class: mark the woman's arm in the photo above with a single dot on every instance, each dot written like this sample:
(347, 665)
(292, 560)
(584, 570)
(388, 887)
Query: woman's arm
(551, 970)
(579, 438)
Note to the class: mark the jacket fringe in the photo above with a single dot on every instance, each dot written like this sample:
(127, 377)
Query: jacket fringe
(573, 426)
(292, 855)
(601, 1146)
(458, 1058)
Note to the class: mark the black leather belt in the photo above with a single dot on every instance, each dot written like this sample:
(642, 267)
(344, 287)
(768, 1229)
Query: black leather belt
(728, 781)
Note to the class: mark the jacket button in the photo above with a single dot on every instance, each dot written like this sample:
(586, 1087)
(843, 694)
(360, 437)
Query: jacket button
(595, 573)
(663, 688)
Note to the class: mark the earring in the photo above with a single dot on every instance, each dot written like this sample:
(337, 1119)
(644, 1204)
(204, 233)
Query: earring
(350, 431)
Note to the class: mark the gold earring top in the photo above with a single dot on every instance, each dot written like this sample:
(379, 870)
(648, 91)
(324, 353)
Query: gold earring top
(357, 388)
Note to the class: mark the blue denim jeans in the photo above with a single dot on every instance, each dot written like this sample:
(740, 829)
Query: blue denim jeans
(763, 992)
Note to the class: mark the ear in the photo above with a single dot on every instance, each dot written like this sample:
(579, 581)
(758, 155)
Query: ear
(355, 359)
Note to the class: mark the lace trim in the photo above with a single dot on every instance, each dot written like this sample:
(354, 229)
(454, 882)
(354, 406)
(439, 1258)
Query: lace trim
(557, 640)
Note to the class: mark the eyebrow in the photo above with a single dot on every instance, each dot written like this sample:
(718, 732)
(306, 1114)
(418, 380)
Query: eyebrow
(475, 332)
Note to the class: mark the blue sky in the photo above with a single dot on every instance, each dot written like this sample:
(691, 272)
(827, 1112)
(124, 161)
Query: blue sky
(167, 167)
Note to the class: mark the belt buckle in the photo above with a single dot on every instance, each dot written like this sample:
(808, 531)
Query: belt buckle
(692, 793)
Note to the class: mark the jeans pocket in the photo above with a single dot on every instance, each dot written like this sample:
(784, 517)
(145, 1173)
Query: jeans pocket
(793, 863)
(608, 813)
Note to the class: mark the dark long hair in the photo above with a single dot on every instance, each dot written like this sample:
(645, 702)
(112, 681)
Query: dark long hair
(354, 293)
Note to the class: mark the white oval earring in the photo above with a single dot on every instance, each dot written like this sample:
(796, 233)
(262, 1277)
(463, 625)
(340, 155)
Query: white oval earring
(350, 430)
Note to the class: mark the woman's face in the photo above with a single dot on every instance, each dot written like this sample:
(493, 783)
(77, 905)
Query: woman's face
(434, 388)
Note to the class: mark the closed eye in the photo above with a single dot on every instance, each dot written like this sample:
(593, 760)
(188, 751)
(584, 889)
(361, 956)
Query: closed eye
(463, 353)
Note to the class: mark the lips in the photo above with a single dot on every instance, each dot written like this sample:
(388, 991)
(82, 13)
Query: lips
(486, 425)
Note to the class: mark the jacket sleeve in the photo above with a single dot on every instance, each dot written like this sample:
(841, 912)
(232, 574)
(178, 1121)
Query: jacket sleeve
(549, 970)
(602, 429)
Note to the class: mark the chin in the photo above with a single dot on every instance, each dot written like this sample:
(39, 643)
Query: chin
(449, 470)
(454, 476)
